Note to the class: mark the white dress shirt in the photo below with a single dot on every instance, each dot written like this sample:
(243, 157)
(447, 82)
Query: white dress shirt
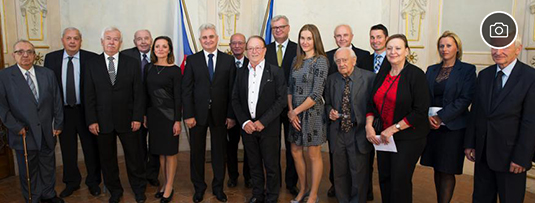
(32, 76)
(506, 71)
(240, 60)
(115, 62)
(148, 55)
(284, 45)
(76, 66)
(214, 58)
(255, 78)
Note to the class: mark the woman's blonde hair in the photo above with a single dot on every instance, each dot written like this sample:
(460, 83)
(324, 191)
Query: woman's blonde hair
(455, 38)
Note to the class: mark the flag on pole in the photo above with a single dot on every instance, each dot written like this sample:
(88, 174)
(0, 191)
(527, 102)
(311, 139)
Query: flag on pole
(182, 47)
(267, 35)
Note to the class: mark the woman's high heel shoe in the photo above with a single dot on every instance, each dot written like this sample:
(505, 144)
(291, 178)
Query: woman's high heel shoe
(159, 194)
(302, 198)
(167, 199)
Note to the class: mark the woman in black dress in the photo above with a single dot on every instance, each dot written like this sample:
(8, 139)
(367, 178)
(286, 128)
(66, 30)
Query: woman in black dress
(162, 80)
(451, 86)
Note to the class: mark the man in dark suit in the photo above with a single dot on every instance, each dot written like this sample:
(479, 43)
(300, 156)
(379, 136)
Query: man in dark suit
(68, 65)
(206, 94)
(378, 37)
(499, 137)
(346, 94)
(343, 35)
(281, 52)
(141, 52)
(258, 99)
(237, 46)
(32, 110)
(114, 106)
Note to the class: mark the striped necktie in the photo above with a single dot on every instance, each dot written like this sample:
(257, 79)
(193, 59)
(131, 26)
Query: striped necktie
(111, 70)
(32, 85)
(377, 64)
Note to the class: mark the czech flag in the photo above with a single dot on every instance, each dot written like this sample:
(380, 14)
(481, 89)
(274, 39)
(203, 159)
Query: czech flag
(182, 47)
(267, 35)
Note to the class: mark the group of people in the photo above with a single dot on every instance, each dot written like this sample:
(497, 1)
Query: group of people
(346, 96)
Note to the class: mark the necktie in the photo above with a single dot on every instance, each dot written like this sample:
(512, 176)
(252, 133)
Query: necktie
(211, 66)
(111, 70)
(32, 85)
(377, 64)
(279, 55)
(497, 85)
(144, 62)
(70, 88)
(238, 64)
(346, 109)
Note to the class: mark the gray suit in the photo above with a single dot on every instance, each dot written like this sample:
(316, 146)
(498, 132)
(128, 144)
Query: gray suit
(19, 109)
(351, 149)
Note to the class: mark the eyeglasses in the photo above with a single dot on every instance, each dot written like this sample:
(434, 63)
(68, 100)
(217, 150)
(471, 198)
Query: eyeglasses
(341, 60)
(257, 49)
(279, 27)
(22, 52)
(237, 43)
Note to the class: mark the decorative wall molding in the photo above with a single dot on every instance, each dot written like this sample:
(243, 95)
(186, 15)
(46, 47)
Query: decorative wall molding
(229, 13)
(413, 12)
(33, 13)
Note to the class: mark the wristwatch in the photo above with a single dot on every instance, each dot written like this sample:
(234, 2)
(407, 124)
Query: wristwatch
(398, 126)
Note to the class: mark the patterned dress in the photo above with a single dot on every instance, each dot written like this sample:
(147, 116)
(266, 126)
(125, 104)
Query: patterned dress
(309, 81)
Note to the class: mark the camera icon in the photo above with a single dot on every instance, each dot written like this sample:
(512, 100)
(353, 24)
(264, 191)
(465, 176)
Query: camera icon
(499, 30)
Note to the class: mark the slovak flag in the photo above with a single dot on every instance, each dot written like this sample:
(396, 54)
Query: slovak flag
(182, 48)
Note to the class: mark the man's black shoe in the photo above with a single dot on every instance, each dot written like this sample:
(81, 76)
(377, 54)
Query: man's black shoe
(53, 200)
(198, 196)
(255, 200)
(331, 192)
(95, 191)
(154, 183)
(232, 183)
(249, 183)
(221, 196)
(293, 190)
(68, 191)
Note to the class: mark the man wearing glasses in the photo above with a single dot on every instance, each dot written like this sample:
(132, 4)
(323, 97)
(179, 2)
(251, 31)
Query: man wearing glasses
(32, 110)
(258, 97)
(281, 52)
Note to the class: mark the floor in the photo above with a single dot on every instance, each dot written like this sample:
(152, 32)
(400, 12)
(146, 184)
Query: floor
(422, 183)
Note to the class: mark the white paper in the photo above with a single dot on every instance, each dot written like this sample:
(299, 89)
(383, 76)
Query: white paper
(390, 147)
(433, 111)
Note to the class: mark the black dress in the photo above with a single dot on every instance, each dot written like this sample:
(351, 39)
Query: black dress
(444, 150)
(164, 107)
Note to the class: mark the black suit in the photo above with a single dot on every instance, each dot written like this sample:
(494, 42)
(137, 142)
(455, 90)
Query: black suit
(74, 124)
(501, 131)
(262, 146)
(232, 147)
(271, 58)
(114, 107)
(362, 59)
(370, 63)
(209, 102)
(152, 161)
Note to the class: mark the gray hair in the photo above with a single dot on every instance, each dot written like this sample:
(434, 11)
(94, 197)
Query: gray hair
(111, 29)
(22, 41)
(351, 52)
(278, 17)
(206, 26)
(343, 25)
(135, 33)
(518, 41)
(71, 29)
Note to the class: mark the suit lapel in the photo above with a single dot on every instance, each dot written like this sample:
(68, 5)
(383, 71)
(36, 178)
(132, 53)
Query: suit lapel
(452, 78)
(21, 83)
(286, 56)
(245, 85)
(433, 72)
(219, 61)
(512, 81)
(41, 83)
(266, 77)
(357, 80)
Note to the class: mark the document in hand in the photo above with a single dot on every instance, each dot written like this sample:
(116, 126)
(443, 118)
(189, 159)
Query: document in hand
(390, 147)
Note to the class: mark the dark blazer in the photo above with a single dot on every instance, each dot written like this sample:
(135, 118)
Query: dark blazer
(370, 65)
(362, 59)
(199, 93)
(54, 61)
(360, 92)
(458, 94)
(412, 101)
(134, 53)
(287, 59)
(507, 126)
(114, 107)
(271, 100)
(19, 109)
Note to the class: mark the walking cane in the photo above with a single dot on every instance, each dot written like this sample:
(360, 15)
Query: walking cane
(27, 167)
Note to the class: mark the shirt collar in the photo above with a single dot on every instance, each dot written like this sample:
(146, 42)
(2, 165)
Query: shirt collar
(76, 56)
(23, 71)
(260, 66)
(148, 55)
(284, 44)
(382, 54)
(240, 60)
(115, 56)
(206, 53)
(508, 69)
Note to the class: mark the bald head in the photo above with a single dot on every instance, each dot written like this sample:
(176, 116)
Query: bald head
(343, 34)
(237, 45)
(143, 40)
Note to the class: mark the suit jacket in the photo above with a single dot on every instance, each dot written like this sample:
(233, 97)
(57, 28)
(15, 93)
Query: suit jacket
(271, 99)
(412, 101)
(19, 109)
(362, 81)
(370, 64)
(287, 59)
(507, 126)
(245, 63)
(54, 61)
(134, 53)
(199, 94)
(362, 59)
(458, 94)
(114, 107)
